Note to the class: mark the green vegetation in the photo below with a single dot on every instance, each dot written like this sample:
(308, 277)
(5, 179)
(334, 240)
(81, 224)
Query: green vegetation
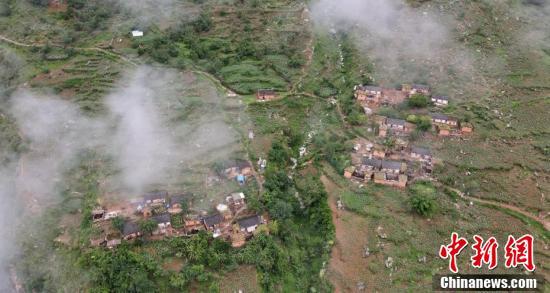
(248, 45)
(423, 199)
(418, 101)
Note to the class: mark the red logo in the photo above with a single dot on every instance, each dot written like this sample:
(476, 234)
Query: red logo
(452, 250)
(517, 252)
(484, 252)
(520, 251)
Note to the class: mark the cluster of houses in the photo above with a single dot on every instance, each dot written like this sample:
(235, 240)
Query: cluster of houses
(167, 215)
(401, 163)
(396, 166)
(371, 97)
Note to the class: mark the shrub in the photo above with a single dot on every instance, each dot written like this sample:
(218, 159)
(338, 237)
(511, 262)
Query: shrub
(423, 205)
(423, 198)
(418, 101)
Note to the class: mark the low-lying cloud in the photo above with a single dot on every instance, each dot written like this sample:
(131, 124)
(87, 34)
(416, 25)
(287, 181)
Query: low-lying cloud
(142, 131)
(405, 43)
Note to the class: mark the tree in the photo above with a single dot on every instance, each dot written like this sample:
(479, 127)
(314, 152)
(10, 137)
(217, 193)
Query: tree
(121, 270)
(423, 198)
(423, 205)
(424, 123)
(418, 101)
(148, 226)
(118, 223)
(5, 9)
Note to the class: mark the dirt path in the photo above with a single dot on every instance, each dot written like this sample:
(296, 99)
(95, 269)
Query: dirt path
(94, 49)
(540, 220)
(347, 268)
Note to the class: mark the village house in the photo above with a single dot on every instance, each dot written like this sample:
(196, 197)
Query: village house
(379, 152)
(394, 167)
(348, 172)
(265, 95)
(224, 211)
(98, 214)
(368, 93)
(466, 127)
(113, 243)
(443, 130)
(382, 171)
(421, 154)
(163, 224)
(393, 126)
(176, 203)
(236, 201)
(156, 198)
(137, 33)
(130, 230)
(213, 223)
(412, 89)
(193, 225)
(249, 224)
(111, 215)
(440, 100)
(392, 179)
(97, 242)
(238, 168)
(444, 119)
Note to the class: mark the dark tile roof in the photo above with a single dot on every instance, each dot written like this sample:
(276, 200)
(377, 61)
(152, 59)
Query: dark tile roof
(421, 151)
(440, 116)
(130, 228)
(249, 221)
(393, 121)
(179, 198)
(394, 165)
(212, 220)
(420, 86)
(155, 195)
(372, 162)
(162, 218)
(369, 88)
(444, 98)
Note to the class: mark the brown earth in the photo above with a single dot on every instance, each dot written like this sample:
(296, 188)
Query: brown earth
(347, 267)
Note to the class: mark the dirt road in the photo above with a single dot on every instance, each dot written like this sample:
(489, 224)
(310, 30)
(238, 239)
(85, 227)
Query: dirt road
(347, 267)
(516, 209)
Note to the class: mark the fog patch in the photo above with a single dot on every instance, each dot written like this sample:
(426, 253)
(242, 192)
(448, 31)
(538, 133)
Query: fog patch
(405, 44)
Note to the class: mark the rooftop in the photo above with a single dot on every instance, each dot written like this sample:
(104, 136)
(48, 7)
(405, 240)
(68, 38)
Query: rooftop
(421, 151)
(372, 162)
(369, 88)
(393, 165)
(393, 121)
(162, 218)
(130, 228)
(249, 221)
(440, 116)
(237, 196)
(420, 86)
(443, 98)
(212, 220)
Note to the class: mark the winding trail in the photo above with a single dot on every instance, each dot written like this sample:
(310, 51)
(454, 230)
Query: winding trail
(92, 49)
(541, 220)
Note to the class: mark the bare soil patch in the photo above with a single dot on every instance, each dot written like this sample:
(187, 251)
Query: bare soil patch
(347, 265)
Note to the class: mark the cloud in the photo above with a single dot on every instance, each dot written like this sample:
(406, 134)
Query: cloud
(405, 43)
(143, 131)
